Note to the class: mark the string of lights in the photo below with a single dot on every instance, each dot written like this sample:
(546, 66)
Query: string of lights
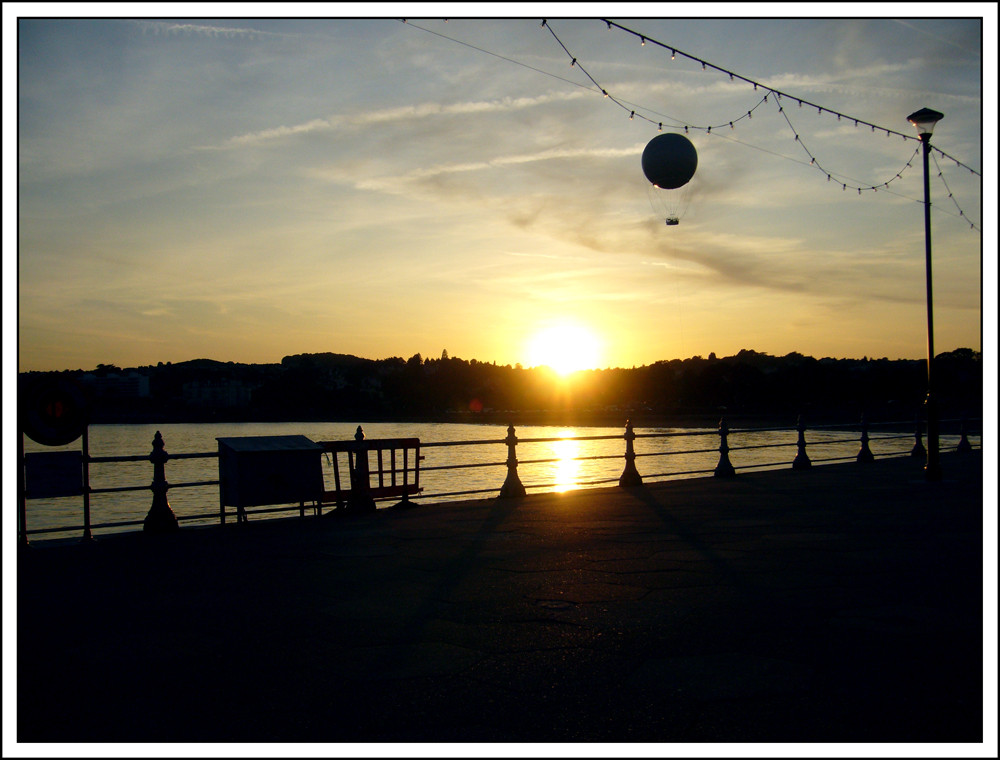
(801, 162)
(708, 129)
(819, 108)
(830, 175)
(951, 196)
(635, 111)
(778, 95)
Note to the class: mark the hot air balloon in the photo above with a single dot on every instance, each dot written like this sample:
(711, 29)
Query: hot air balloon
(669, 162)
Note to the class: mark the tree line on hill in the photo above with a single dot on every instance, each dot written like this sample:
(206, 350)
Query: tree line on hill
(330, 386)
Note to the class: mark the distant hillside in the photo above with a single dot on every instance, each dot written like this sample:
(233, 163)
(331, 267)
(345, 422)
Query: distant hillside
(331, 386)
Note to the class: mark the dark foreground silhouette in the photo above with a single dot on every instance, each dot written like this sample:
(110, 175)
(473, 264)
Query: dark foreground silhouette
(842, 603)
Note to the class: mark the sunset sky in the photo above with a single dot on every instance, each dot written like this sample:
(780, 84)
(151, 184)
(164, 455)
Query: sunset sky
(243, 189)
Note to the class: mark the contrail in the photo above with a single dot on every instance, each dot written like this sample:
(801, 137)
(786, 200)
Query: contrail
(945, 40)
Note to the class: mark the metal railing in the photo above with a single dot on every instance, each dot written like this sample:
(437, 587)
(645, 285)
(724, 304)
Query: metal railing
(513, 487)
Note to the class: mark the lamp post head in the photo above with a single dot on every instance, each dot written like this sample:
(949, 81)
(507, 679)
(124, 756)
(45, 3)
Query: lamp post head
(924, 120)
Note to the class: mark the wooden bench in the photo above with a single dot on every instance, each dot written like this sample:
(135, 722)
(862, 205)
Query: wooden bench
(397, 472)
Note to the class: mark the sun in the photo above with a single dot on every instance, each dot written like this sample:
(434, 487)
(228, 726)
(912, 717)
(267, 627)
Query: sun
(565, 348)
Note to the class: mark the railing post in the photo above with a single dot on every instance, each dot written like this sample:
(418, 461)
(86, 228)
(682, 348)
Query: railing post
(918, 449)
(865, 454)
(724, 469)
(512, 487)
(963, 444)
(360, 498)
(630, 476)
(160, 518)
(85, 462)
(801, 461)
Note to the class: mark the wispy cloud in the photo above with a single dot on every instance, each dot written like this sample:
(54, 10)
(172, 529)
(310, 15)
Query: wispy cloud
(399, 183)
(400, 114)
(168, 29)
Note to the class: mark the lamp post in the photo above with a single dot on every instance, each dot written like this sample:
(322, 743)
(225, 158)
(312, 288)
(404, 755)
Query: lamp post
(924, 120)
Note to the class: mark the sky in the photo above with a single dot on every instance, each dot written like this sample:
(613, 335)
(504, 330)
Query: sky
(243, 189)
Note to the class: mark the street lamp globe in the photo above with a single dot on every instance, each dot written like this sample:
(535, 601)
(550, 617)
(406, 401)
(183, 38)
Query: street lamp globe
(924, 120)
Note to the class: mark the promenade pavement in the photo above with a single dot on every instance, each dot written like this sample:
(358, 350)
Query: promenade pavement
(839, 604)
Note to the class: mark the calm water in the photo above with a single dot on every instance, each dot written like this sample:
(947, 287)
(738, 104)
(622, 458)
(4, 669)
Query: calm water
(553, 465)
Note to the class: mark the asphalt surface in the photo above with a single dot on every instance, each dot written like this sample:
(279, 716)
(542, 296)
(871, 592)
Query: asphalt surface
(839, 604)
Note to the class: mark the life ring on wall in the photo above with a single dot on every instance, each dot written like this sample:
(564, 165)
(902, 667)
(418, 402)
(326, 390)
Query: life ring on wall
(54, 411)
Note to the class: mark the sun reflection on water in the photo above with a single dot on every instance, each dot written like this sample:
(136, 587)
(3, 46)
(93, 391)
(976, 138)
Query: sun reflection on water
(567, 469)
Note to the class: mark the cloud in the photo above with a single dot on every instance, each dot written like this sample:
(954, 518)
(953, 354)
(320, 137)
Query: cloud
(398, 183)
(167, 29)
(402, 114)
(275, 133)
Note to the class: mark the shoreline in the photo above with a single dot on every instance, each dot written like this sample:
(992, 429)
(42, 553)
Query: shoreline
(735, 419)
